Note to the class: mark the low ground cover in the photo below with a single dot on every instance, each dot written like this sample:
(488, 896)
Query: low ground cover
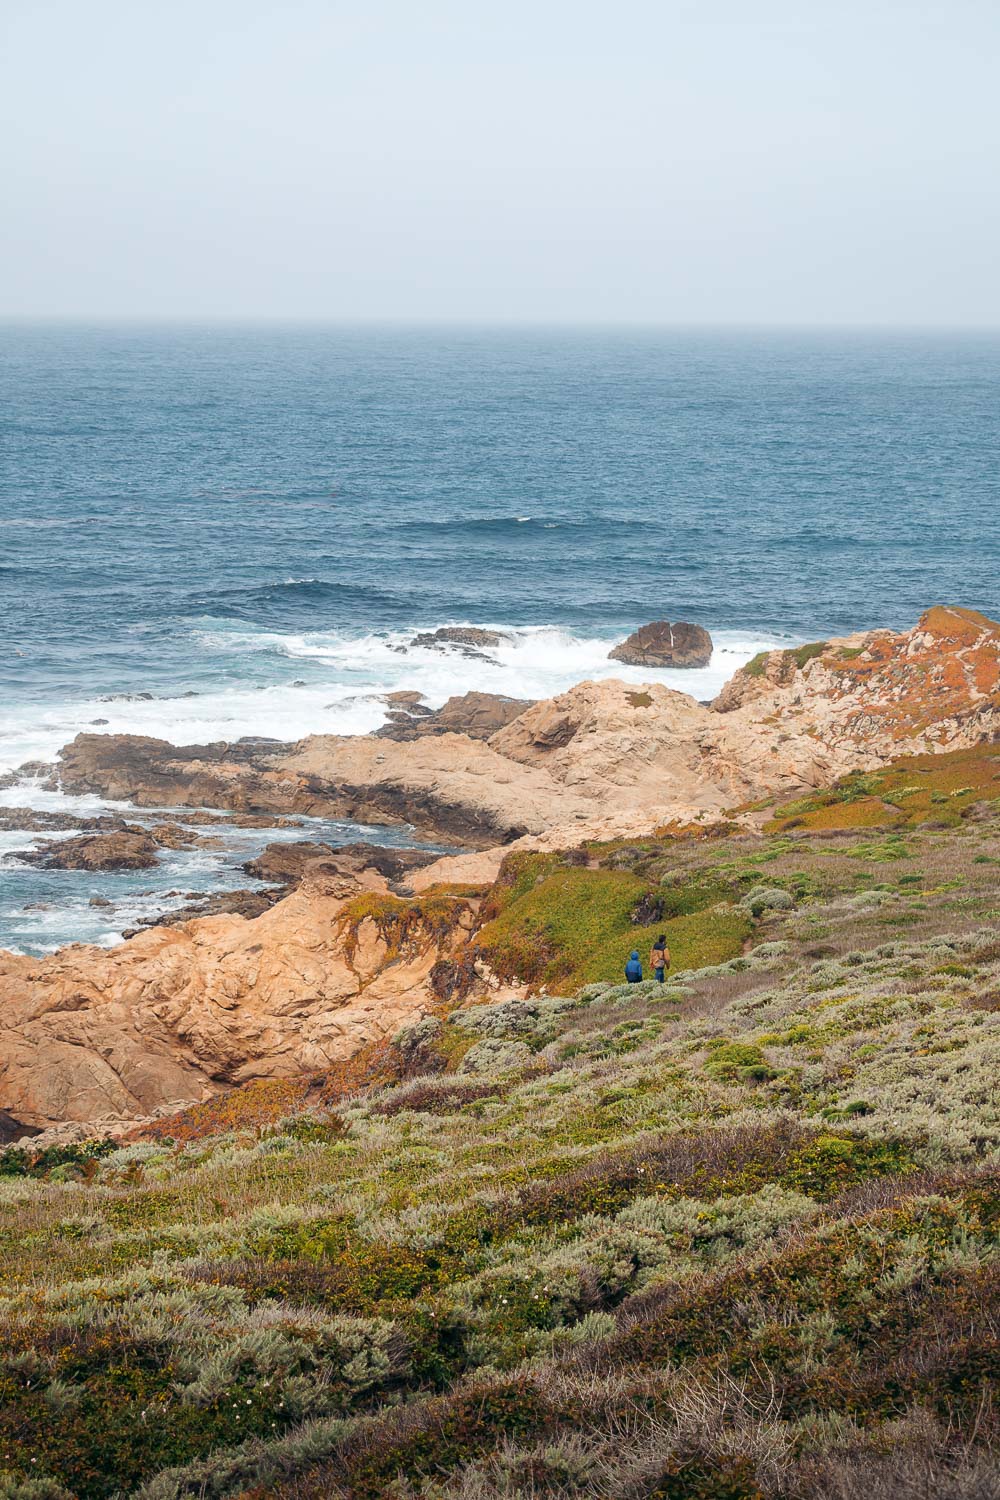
(732, 1236)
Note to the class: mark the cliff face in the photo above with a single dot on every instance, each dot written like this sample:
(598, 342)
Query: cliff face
(177, 1013)
(936, 686)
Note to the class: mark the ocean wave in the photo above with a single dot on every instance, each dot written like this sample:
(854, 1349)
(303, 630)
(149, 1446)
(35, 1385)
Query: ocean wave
(288, 595)
(287, 684)
(487, 525)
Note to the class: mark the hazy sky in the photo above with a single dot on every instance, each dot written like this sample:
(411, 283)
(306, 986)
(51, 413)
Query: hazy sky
(819, 161)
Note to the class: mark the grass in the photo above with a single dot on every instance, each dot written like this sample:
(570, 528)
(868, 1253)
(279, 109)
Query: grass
(941, 789)
(559, 926)
(735, 1236)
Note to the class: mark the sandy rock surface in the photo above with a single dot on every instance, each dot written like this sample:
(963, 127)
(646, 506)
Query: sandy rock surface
(177, 1013)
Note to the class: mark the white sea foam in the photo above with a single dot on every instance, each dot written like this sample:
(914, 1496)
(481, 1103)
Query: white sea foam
(345, 678)
(316, 682)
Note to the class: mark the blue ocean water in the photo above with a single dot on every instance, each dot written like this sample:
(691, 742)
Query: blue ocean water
(247, 524)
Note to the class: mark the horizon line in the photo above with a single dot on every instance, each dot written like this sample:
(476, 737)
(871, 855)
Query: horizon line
(632, 325)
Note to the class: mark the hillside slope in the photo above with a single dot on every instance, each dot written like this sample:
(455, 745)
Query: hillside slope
(733, 1237)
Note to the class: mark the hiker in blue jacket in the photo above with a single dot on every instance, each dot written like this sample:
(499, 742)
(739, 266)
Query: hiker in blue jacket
(633, 969)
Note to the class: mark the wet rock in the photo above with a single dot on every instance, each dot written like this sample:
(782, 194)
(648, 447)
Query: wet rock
(121, 850)
(174, 836)
(468, 638)
(287, 863)
(246, 904)
(407, 698)
(30, 820)
(661, 644)
(479, 715)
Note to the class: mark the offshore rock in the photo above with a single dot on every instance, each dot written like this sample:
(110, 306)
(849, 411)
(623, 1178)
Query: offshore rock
(664, 645)
(289, 863)
(471, 639)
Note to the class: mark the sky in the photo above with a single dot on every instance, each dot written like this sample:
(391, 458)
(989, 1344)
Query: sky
(829, 162)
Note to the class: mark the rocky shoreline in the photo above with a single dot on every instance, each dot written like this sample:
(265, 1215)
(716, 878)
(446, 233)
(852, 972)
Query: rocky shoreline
(257, 983)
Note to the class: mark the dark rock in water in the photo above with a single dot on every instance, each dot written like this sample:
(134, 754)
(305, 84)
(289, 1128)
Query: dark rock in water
(100, 901)
(30, 768)
(173, 836)
(121, 850)
(97, 722)
(408, 698)
(664, 645)
(478, 715)
(12, 1130)
(469, 638)
(125, 698)
(30, 820)
(392, 864)
(248, 904)
(287, 863)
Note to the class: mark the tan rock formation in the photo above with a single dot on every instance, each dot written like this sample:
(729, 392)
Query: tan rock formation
(603, 751)
(175, 1014)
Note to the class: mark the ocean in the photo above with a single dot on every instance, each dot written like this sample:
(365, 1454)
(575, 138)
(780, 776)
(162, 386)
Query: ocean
(208, 532)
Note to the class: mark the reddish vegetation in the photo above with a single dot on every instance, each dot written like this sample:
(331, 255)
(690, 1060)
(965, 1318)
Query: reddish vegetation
(913, 790)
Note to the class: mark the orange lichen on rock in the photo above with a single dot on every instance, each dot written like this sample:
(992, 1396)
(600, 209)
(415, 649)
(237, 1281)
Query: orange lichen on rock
(937, 685)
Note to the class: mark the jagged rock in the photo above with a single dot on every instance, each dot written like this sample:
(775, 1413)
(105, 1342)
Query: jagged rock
(121, 850)
(288, 863)
(31, 820)
(470, 638)
(285, 864)
(407, 698)
(246, 904)
(479, 715)
(173, 836)
(664, 645)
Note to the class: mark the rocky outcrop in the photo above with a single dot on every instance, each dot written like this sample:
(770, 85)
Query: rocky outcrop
(479, 715)
(664, 645)
(178, 1013)
(121, 850)
(602, 753)
(471, 640)
(154, 773)
(449, 785)
(881, 693)
(287, 864)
